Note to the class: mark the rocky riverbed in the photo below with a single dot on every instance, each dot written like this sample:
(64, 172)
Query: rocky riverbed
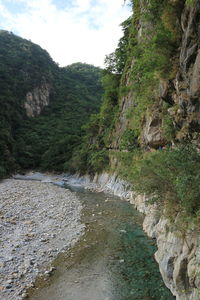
(38, 220)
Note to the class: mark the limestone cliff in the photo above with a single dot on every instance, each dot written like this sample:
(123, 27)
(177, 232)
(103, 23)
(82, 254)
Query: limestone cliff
(174, 93)
(178, 254)
(176, 99)
(183, 91)
(37, 99)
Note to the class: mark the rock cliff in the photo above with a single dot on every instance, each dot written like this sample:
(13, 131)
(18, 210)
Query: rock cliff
(37, 99)
(184, 89)
(177, 101)
(175, 93)
(178, 253)
(148, 132)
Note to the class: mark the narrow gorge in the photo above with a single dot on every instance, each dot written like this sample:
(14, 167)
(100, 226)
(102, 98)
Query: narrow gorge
(132, 129)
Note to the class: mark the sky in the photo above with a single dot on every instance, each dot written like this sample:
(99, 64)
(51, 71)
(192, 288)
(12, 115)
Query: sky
(70, 30)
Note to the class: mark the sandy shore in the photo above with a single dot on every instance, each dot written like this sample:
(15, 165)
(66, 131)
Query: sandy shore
(37, 221)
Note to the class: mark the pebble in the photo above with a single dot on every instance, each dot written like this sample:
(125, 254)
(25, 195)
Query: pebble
(28, 222)
(44, 240)
(9, 286)
(38, 220)
(122, 230)
(24, 295)
(9, 281)
(15, 275)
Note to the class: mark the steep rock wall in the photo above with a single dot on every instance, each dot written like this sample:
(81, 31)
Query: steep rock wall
(37, 99)
(178, 255)
(179, 90)
(185, 87)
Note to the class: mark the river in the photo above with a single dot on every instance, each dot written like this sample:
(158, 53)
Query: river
(113, 260)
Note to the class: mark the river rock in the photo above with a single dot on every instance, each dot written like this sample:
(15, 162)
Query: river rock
(30, 238)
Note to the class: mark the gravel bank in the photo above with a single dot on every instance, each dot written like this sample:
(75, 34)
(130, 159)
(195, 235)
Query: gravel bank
(37, 221)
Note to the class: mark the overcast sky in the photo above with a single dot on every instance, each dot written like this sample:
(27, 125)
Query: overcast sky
(70, 30)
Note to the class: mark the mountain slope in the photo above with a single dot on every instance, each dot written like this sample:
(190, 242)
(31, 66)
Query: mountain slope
(42, 106)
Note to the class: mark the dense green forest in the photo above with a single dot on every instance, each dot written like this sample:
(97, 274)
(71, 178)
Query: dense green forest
(46, 140)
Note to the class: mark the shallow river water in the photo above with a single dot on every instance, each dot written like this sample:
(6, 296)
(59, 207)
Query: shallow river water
(112, 261)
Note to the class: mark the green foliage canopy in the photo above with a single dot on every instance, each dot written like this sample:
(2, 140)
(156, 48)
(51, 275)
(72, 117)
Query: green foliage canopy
(46, 141)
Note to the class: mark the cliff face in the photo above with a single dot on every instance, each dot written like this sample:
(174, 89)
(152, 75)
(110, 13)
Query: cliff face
(184, 89)
(27, 73)
(156, 106)
(173, 116)
(181, 91)
(37, 99)
(174, 101)
(178, 255)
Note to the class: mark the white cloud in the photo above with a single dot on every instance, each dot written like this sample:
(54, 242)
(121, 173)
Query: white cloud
(85, 32)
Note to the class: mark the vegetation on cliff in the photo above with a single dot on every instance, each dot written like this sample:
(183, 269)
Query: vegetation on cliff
(139, 105)
(170, 178)
(23, 65)
(133, 71)
(50, 138)
(47, 140)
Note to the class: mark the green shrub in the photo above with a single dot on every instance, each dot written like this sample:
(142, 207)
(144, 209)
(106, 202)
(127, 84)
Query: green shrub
(98, 161)
(170, 177)
(168, 128)
(129, 140)
(79, 161)
(190, 2)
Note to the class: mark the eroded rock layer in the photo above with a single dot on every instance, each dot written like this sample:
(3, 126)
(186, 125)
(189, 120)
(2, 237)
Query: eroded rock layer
(178, 253)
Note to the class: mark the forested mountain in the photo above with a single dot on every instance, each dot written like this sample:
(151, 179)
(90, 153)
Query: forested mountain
(42, 106)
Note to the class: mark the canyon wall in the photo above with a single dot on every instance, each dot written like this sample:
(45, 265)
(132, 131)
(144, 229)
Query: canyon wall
(178, 253)
(173, 99)
(158, 107)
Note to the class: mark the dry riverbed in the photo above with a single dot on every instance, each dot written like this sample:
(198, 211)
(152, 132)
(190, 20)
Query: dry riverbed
(38, 220)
